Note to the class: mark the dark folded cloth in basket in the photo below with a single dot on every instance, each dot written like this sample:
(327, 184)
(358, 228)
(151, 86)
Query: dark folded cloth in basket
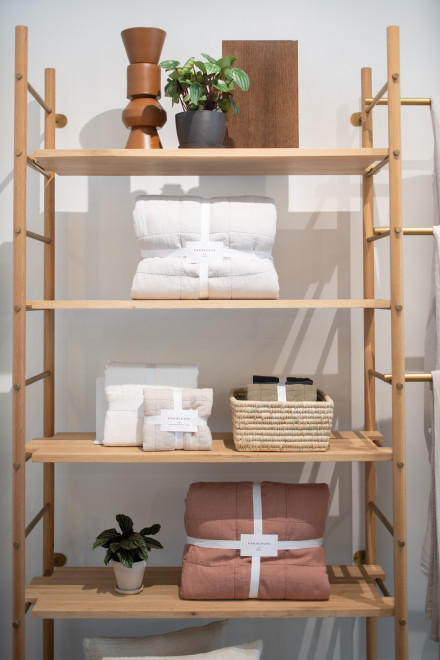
(269, 392)
(290, 380)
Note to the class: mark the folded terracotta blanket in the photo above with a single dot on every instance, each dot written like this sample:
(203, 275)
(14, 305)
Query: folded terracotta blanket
(273, 392)
(169, 221)
(242, 277)
(294, 513)
(155, 435)
(119, 409)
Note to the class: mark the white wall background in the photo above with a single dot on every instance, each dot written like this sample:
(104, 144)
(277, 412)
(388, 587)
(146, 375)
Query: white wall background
(317, 253)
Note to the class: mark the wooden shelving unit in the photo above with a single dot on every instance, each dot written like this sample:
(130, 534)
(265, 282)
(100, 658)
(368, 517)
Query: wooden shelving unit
(78, 592)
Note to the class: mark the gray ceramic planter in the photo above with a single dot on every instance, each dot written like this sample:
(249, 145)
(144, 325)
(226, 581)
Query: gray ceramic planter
(201, 129)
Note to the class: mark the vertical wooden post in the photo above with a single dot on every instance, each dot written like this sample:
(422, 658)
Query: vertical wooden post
(49, 356)
(19, 344)
(369, 348)
(397, 341)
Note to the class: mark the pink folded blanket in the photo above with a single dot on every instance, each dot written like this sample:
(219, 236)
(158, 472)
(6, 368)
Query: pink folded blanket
(294, 513)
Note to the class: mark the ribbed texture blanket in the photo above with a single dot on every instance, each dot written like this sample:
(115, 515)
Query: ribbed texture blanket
(223, 511)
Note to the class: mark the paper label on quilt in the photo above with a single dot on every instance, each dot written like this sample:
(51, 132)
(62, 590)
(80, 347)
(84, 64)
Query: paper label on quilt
(179, 420)
(205, 252)
(259, 545)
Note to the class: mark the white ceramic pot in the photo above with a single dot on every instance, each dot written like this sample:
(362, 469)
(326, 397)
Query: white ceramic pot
(129, 580)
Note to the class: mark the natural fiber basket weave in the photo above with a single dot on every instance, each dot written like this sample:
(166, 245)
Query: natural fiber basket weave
(280, 425)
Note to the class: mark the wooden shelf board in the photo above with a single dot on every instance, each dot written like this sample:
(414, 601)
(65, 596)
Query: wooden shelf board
(79, 448)
(75, 593)
(341, 303)
(207, 162)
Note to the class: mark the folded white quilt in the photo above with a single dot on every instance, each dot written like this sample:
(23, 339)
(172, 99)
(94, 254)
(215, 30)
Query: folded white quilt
(158, 400)
(234, 278)
(124, 383)
(164, 222)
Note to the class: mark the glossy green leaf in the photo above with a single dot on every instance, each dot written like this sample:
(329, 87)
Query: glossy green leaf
(200, 65)
(169, 64)
(235, 108)
(209, 58)
(105, 536)
(221, 85)
(240, 78)
(124, 522)
(227, 60)
(154, 529)
(195, 92)
(189, 63)
(152, 543)
(108, 556)
(125, 557)
(212, 68)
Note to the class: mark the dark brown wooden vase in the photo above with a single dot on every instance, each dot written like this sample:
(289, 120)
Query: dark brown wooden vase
(144, 114)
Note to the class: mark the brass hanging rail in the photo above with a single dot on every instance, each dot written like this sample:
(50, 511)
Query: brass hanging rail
(409, 378)
(39, 98)
(406, 101)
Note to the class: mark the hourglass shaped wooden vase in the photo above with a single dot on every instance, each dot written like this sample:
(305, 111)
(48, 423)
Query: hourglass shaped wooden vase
(144, 114)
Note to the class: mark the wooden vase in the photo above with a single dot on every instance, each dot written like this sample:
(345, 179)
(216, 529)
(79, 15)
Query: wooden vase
(144, 114)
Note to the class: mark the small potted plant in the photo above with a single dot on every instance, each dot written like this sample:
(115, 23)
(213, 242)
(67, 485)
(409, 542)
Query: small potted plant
(127, 551)
(205, 92)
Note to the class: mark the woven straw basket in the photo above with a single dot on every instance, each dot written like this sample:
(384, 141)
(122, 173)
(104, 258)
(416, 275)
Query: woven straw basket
(280, 425)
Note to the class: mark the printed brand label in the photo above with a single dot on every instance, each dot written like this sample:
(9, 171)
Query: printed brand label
(179, 420)
(259, 545)
(205, 252)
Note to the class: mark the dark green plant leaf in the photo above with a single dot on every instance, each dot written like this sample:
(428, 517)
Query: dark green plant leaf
(227, 60)
(152, 543)
(224, 104)
(124, 522)
(115, 545)
(108, 556)
(134, 541)
(212, 68)
(105, 536)
(154, 529)
(125, 557)
(142, 553)
(235, 108)
(200, 65)
(169, 64)
(221, 85)
(239, 77)
(170, 89)
(209, 58)
(195, 92)
(176, 98)
(189, 63)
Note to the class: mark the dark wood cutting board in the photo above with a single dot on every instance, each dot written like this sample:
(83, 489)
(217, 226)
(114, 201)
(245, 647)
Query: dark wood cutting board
(268, 114)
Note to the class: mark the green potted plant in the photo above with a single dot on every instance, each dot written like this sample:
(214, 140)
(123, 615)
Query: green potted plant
(205, 92)
(127, 551)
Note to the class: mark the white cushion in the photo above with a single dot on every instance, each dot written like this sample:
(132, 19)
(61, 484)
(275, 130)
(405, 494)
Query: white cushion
(250, 651)
(198, 639)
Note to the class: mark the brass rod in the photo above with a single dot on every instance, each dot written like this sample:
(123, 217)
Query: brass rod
(34, 379)
(37, 237)
(377, 98)
(410, 231)
(37, 519)
(382, 587)
(27, 456)
(38, 168)
(38, 98)
(373, 506)
(376, 237)
(407, 101)
(409, 378)
(378, 167)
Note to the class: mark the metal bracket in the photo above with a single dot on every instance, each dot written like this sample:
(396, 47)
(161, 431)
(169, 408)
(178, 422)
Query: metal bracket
(59, 559)
(60, 120)
(356, 119)
(359, 557)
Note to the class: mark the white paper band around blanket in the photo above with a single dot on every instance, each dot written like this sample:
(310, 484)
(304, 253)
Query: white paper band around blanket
(258, 540)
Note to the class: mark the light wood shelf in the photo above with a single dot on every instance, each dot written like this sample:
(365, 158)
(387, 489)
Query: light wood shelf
(207, 162)
(76, 593)
(342, 303)
(79, 448)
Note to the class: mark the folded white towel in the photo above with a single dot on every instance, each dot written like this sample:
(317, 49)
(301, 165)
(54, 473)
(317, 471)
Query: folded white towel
(156, 400)
(119, 424)
(168, 221)
(242, 277)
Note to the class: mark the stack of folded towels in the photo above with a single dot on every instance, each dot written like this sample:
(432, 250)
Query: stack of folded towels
(156, 406)
(272, 388)
(195, 248)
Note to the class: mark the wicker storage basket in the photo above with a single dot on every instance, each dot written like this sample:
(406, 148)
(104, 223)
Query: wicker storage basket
(280, 425)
